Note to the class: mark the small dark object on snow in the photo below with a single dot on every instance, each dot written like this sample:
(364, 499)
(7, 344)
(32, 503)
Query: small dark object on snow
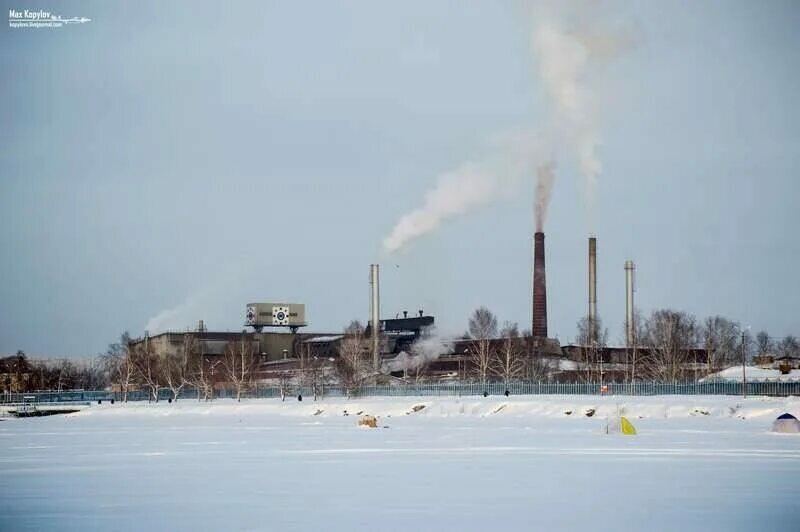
(507, 393)
(486, 394)
(112, 401)
(299, 397)
(99, 401)
(589, 412)
(169, 400)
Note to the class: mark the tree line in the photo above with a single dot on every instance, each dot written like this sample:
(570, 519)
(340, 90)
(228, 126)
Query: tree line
(668, 345)
(139, 366)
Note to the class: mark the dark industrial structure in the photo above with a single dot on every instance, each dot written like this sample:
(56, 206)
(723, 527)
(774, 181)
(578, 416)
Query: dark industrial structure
(539, 319)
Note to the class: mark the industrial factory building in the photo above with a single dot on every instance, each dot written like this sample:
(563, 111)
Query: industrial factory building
(274, 334)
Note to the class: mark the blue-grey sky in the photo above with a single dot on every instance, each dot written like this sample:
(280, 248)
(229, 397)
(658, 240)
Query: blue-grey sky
(176, 160)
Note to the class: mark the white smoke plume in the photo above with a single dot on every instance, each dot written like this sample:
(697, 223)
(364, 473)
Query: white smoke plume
(545, 175)
(456, 192)
(466, 188)
(425, 350)
(219, 302)
(569, 47)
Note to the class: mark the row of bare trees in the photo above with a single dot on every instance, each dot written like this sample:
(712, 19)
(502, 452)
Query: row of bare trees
(501, 353)
(669, 345)
(18, 373)
(674, 345)
(138, 365)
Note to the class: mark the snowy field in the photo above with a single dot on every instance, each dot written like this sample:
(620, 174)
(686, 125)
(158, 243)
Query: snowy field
(519, 463)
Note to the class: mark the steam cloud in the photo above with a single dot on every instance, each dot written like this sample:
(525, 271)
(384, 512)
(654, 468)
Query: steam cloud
(566, 54)
(567, 46)
(545, 174)
(467, 187)
(425, 350)
(456, 192)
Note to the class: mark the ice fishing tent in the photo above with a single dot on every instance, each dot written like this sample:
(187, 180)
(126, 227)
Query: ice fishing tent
(620, 425)
(786, 424)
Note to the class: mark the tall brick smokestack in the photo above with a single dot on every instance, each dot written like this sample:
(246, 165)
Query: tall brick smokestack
(539, 321)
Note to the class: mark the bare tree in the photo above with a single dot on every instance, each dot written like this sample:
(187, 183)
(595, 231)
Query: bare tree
(509, 363)
(284, 380)
(670, 336)
(535, 366)
(175, 366)
(239, 363)
(721, 340)
(482, 329)
(119, 365)
(633, 350)
(90, 374)
(146, 364)
(312, 369)
(199, 375)
(764, 343)
(789, 347)
(353, 366)
(592, 340)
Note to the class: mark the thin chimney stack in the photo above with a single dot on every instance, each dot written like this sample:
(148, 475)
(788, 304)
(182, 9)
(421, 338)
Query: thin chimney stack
(593, 283)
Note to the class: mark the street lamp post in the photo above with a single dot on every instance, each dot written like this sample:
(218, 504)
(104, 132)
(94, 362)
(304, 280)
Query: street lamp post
(744, 362)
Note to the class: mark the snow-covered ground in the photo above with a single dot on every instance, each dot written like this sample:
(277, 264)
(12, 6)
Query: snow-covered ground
(754, 374)
(519, 463)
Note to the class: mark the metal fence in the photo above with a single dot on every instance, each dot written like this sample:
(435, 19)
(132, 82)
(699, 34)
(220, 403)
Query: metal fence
(762, 388)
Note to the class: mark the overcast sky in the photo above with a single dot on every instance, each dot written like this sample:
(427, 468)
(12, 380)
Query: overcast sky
(172, 161)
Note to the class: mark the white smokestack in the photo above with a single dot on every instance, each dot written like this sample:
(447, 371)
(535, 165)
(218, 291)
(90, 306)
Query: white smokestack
(375, 317)
(630, 268)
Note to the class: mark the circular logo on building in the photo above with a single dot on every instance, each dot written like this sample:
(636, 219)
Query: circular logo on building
(280, 315)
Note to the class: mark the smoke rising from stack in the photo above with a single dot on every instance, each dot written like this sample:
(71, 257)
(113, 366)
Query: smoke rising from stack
(545, 174)
(569, 46)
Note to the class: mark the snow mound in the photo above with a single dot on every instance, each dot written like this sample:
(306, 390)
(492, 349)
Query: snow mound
(560, 407)
(734, 374)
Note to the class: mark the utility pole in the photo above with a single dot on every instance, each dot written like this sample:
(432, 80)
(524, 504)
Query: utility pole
(744, 362)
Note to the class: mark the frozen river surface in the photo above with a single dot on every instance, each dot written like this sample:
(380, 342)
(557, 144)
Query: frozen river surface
(456, 464)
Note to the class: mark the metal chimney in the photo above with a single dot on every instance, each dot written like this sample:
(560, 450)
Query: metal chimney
(592, 281)
(374, 311)
(539, 314)
(630, 270)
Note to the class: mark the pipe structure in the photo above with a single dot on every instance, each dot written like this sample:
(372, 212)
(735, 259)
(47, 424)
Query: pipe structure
(539, 296)
(630, 268)
(592, 282)
(374, 311)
